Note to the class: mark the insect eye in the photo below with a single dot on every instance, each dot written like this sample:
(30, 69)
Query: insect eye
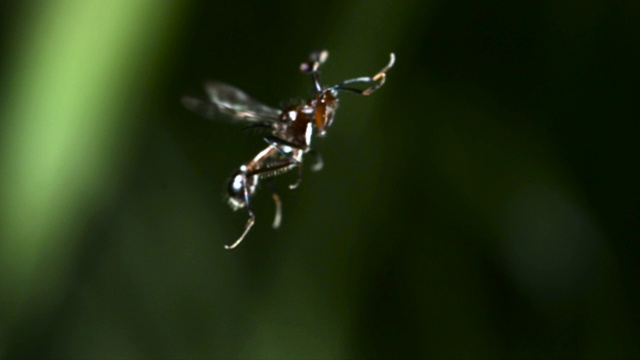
(319, 56)
(309, 67)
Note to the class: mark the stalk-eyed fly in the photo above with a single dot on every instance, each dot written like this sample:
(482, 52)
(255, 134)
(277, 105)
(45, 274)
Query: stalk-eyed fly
(290, 129)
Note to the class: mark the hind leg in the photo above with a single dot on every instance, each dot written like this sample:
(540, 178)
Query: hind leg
(252, 216)
(278, 144)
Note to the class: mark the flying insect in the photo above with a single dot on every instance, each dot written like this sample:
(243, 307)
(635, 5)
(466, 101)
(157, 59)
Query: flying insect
(290, 130)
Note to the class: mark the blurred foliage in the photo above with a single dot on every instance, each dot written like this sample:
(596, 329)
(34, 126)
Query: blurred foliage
(484, 203)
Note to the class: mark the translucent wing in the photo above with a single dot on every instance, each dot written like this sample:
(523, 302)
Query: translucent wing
(231, 102)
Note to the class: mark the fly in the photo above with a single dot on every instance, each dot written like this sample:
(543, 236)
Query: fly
(290, 130)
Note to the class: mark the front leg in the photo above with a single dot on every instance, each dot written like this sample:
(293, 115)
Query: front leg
(376, 81)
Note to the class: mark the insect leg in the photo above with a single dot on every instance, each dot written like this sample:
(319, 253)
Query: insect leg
(319, 164)
(246, 193)
(277, 143)
(285, 163)
(298, 180)
(250, 221)
(276, 199)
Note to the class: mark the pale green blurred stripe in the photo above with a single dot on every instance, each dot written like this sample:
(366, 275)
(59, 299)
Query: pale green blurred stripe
(64, 126)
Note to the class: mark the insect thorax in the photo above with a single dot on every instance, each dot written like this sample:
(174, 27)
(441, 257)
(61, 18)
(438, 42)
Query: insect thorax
(325, 109)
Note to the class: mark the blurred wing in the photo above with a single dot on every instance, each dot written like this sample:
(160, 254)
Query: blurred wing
(232, 102)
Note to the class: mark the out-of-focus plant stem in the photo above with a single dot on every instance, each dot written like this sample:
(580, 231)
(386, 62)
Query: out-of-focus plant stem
(63, 131)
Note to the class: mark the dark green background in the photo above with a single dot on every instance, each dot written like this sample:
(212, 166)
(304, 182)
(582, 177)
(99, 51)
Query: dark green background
(483, 204)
